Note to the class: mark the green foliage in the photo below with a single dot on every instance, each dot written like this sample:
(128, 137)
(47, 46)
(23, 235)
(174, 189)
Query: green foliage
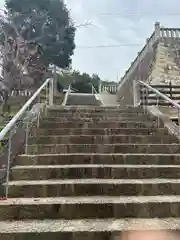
(47, 24)
(81, 81)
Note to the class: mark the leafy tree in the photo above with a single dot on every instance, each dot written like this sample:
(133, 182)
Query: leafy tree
(81, 81)
(46, 23)
(33, 35)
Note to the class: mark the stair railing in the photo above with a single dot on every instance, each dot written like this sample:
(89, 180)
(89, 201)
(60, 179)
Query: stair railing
(94, 90)
(66, 96)
(97, 94)
(69, 91)
(159, 96)
(14, 137)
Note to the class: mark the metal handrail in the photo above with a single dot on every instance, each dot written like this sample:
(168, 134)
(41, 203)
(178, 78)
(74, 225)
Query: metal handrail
(93, 89)
(74, 89)
(17, 117)
(11, 129)
(66, 96)
(96, 93)
(160, 94)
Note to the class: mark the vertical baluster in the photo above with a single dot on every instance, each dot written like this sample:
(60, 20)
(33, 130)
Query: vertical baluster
(27, 136)
(157, 101)
(51, 92)
(170, 89)
(100, 87)
(47, 100)
(134, 93)
(9, 162)
(178, 121)
(38, 119)
(147, 95)
(143, 97)
(157, 105)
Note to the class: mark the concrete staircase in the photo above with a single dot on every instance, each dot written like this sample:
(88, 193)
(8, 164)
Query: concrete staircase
(91, 173)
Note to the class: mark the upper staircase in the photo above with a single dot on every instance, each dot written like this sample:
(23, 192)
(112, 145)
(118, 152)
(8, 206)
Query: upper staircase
(82, 99)
(158, 63)
(92, 172)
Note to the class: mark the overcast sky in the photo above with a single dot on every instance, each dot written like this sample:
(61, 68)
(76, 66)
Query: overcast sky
(128, 22)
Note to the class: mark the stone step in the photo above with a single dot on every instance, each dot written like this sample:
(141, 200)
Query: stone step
(96, 158)
(93, 115)
(86, 207)
(95, 109)
(44, 172)
(103, 148)
(108, 124)
(93, 187)
(101, 131)
(83, 229)
(100, 139)
(101, 118)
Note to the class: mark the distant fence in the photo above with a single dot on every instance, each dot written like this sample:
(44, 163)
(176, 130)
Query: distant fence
(17, 97)
(21, 93)
(108, 88)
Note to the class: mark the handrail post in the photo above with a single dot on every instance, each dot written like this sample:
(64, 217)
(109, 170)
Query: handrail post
(100, 87)
(170, 88)
(27, 136)
(51, 93)
(9, 162)
(146, 98)
(134, 93)
(143, 99)
(178, 122)
(47, 99)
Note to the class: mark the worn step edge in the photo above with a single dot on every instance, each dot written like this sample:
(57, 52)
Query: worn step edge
(89, 225)
(109, 124)
(69, 129)
(23, 167)
(103, 148)
(107, 131)
(80, 110)
(106, 144)
(99, 154)
(100, 136)
(59, 112)
(95, 181)
(90, 200)
(96, 122)
(82, 107)
(101, 118)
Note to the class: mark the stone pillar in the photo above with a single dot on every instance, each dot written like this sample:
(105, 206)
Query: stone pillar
(177, 33)
(146, 50)
(157, 30)
(138, 74)
(162, 33)
(55, 79)
(172, 33)
(100, 87)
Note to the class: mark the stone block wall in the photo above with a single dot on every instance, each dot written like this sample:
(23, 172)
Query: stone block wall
(142, 72)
